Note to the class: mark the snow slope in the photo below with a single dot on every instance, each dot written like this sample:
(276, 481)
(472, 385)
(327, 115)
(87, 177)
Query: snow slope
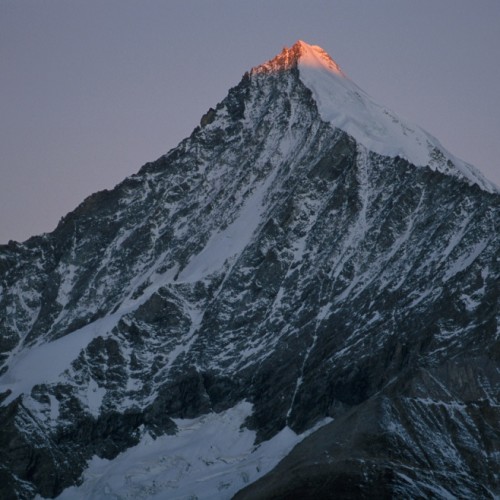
(210, 457)
(343, 104)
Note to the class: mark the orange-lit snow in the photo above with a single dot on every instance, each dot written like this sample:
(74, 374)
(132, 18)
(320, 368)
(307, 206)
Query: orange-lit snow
(313, 56)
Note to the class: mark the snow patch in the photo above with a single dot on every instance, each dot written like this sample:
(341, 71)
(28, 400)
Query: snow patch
(95, 395)
(54, 408)
(464, 261)
(45, 363)
(68, 273)
(230, 242)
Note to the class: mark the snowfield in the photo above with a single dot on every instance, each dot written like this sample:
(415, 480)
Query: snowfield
(209, 458)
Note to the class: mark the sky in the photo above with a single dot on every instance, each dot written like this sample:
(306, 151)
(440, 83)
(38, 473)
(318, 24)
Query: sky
(90, 90)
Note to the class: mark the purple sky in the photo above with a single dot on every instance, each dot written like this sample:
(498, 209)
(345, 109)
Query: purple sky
(91, 90)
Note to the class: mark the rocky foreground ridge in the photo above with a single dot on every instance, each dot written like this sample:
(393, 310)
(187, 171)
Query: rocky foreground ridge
(278, 259)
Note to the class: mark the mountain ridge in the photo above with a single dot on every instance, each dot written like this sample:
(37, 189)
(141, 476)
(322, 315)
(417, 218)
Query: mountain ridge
(271, 259)
(343, 104)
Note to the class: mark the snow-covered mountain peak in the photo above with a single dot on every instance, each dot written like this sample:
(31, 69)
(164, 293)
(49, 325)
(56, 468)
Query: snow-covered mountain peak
(346, 106)
(178, 335)
(302, 53)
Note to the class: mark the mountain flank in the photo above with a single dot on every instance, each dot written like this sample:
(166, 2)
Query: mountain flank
(301, 300)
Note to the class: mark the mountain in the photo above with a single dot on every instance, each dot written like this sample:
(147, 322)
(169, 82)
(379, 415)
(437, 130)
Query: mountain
(301, 300)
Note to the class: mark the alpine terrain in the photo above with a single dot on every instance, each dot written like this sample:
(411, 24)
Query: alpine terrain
(301, 300)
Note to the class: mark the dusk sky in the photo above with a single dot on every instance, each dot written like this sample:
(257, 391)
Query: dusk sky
(91, 90)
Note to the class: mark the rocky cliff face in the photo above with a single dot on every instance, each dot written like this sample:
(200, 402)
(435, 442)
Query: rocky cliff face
(278, 259)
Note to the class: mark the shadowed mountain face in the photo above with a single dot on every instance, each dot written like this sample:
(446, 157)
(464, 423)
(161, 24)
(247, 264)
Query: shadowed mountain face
(273, 258)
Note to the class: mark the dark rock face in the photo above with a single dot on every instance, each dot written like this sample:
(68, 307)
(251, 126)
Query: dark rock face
(397, 443)
(269, 257)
